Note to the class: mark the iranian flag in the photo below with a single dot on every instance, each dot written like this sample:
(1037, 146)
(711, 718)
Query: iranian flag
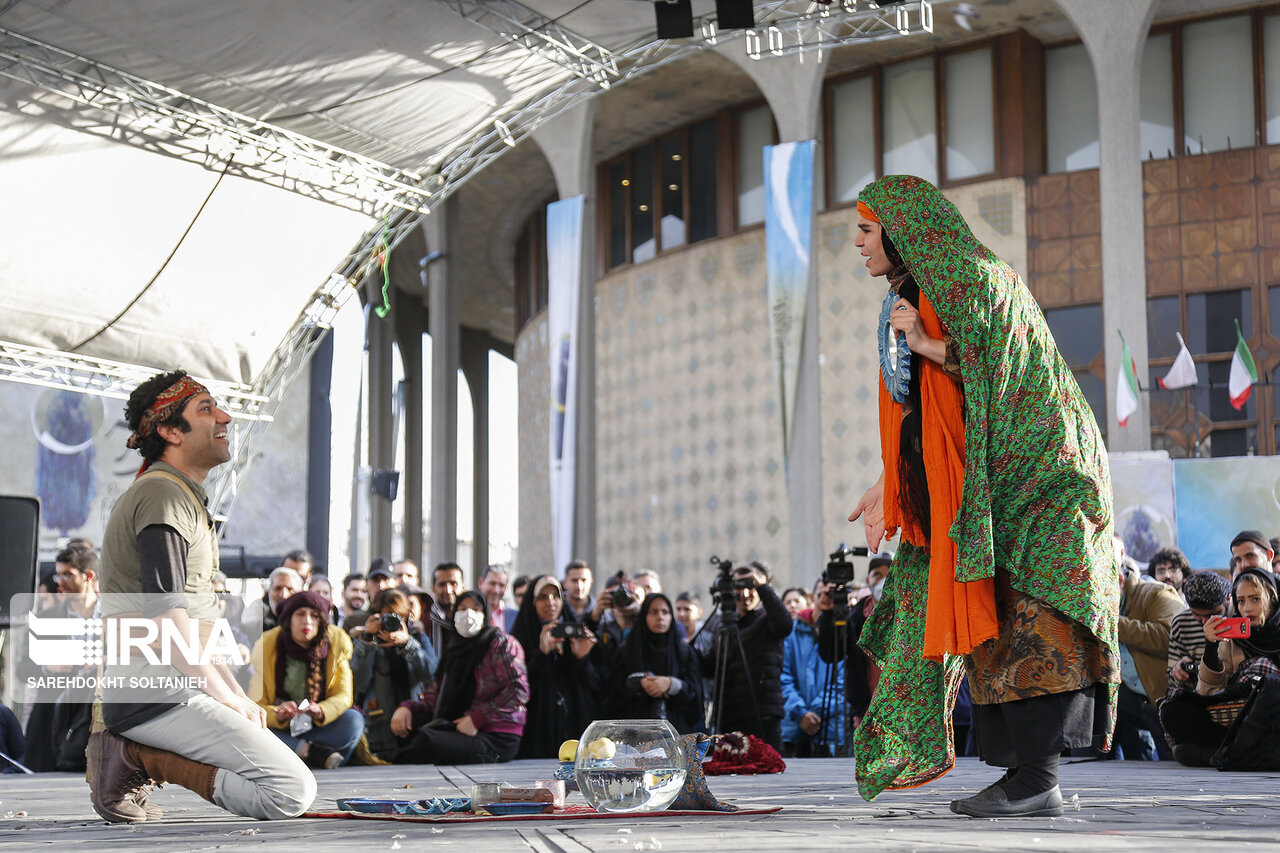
(1243, 372)
(1183, 371)
(1126, 385)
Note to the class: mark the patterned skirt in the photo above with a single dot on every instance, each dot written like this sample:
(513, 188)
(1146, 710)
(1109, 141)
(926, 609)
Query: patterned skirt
(905, 739)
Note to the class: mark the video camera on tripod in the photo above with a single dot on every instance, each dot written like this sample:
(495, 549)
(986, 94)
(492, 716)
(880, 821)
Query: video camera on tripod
(839, 572)
(725, 586)
(728, 640)
(836, 577)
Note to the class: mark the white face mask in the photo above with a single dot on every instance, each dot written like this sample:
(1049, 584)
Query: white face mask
(468, 622)
(877, 589)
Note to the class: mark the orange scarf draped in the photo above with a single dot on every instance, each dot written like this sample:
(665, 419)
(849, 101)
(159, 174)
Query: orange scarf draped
(959, 616)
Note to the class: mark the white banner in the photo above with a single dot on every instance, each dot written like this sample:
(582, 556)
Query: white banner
(564, 281)
(788, 230)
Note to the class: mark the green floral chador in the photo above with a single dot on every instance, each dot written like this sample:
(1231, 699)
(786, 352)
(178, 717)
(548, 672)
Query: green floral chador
(1035, 513)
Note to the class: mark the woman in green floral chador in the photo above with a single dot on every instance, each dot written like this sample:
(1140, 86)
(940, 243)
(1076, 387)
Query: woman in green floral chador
(996, 474)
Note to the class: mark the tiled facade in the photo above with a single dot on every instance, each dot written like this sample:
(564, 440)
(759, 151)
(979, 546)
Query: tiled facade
(533, 377)
(689, 442)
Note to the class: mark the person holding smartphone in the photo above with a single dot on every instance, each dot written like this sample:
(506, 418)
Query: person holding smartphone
(1237, 647)
(656, 673)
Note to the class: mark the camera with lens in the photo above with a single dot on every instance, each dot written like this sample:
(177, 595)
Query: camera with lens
(839, 571)
(619, 595)
(391, 622)
(1191, 669)
(840, 568)
(569, 631)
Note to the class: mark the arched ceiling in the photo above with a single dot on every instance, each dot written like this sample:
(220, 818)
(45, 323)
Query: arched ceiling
(94, 204)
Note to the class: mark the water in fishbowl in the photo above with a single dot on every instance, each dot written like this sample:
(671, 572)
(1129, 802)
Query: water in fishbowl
(611, 789)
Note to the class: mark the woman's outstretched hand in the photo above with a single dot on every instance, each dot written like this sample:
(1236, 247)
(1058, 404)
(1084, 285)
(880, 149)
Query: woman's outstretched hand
(871, 510)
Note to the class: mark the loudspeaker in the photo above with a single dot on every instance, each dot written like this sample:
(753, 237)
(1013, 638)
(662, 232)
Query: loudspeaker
(735, 14)
(386, 483)
(19, 540)
(675, 18)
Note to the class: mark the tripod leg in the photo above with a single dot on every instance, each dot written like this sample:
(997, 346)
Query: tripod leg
(751, 691)
(717, 690)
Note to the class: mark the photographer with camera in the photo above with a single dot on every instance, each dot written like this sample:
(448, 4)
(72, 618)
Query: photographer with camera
(564, 680)
(656, 673)
(1206, 594)
(839, 627)
(390, 663)
(621, 601)
(747, 646)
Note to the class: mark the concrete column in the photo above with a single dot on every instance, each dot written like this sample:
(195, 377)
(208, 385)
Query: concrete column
(1115, 34)
(566, 143)
(379, 336)
(410, 320)
(442, 286)
(794, 93)
(475, 366)
(319, 447)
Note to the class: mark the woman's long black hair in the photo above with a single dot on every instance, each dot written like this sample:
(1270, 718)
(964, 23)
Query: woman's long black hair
(913, 482)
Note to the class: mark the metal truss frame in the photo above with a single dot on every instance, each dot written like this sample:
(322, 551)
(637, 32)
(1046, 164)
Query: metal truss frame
(156, 117)
(162, 119)
(544, 36)
(791, 27)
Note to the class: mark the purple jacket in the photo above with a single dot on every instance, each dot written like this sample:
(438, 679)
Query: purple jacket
(502, 689)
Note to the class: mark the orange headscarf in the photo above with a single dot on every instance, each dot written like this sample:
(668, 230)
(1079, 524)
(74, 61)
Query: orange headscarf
(959, 616)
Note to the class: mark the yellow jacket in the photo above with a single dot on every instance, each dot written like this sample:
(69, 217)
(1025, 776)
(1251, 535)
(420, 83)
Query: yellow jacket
(1144, 629)
(337, 670)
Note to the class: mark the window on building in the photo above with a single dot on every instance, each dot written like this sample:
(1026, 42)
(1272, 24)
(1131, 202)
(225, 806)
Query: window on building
(1211, 320)
(531, 266)
(970, 110)
(1164, 320)
(671, 180)
(1071, 109)
(853, 143)
(1217, 85)
(1077, 330)
(1156, 98)
(910, 120)
(662, 195)
(619, 190)
(1271, 75)
(755, 131)
(702, 181)
(644, 244)
(1200, 420)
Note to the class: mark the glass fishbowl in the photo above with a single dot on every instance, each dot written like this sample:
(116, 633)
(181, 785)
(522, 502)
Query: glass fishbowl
(630, 765)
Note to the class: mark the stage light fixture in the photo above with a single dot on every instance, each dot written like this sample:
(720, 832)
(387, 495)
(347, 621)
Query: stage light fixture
(674, 18)
(735, 14)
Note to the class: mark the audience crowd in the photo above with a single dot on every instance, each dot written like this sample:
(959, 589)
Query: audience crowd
(379, 668)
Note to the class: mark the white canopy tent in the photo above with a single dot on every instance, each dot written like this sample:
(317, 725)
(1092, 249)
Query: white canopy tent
(203, 184)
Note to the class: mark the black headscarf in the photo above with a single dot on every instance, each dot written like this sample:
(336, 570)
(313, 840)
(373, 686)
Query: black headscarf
(458, 664)
(1263, 641)
(645, 651)
(527, 628)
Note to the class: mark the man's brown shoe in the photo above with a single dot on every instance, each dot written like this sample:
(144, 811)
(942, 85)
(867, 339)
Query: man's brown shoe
(115, 779)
